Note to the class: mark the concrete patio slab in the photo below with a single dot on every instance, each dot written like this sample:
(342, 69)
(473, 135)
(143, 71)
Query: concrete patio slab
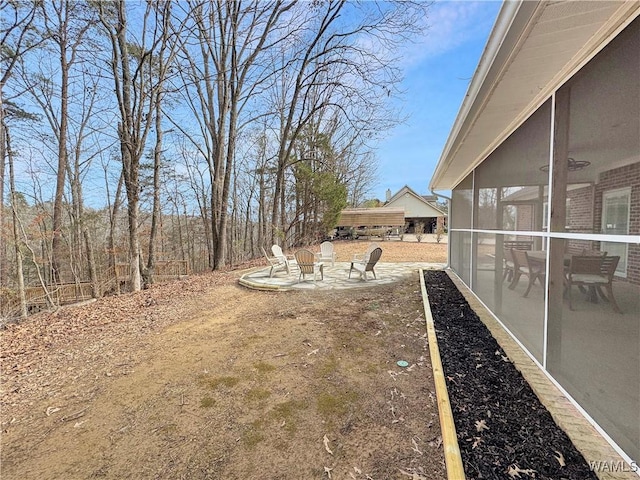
(335, 277)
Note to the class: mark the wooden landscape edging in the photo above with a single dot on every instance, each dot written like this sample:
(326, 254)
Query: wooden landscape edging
(453, 460)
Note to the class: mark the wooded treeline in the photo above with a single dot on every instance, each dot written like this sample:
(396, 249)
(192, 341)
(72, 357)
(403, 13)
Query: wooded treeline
(193, 130)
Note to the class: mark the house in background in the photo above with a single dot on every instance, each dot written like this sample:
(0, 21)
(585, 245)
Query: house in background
(418, 209)
(369, 222)
(545, 154)
(404, 210)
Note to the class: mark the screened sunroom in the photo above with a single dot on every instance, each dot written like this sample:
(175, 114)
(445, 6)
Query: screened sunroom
(544, 167)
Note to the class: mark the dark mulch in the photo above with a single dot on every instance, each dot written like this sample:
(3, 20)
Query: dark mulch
(503, 430)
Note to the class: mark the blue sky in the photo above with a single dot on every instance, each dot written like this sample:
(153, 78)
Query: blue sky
(437, 73)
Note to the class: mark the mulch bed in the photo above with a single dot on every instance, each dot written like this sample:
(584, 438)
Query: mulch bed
(503, 430)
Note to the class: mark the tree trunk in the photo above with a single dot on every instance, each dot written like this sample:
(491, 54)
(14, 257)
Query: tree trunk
(91, 263)
(3, 154)
(113, 218)
(56, 242)
(16, 238)
(134, 242)
(155, 216)
(16, 43)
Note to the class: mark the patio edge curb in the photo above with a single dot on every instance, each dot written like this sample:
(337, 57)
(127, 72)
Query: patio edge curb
(453, 460)
(259, 286)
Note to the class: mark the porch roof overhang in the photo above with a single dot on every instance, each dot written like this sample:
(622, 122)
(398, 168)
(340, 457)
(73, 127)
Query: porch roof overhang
(533, 49)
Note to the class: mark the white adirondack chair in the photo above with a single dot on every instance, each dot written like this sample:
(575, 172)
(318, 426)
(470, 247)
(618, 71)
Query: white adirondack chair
(326, 253)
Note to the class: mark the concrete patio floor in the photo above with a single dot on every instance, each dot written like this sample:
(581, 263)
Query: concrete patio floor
(335, 277)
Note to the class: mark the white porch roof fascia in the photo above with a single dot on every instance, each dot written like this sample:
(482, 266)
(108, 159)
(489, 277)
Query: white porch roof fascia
(533, 49)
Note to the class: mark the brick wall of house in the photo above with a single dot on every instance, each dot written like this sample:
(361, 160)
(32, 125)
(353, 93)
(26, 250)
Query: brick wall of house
(627, 176)
(524, 220)
(580, 218)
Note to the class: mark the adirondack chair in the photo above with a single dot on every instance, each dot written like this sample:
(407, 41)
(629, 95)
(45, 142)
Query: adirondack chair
(276, 263)
(367, 264)
(278, 253)
(326, 253)
(307, 264)
(360, 257)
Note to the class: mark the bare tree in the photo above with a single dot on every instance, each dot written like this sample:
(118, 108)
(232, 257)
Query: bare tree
(68, 38)
(341, 66)
(113, 208)
(16, 236)
(132, 132)
(224, 74)
(197, 178)
(138, 86)
(77, 170)
(17, 37)
(59, 84)
(162, 61)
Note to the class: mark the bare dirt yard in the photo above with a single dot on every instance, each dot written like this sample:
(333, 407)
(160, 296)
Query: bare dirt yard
(202, 378)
